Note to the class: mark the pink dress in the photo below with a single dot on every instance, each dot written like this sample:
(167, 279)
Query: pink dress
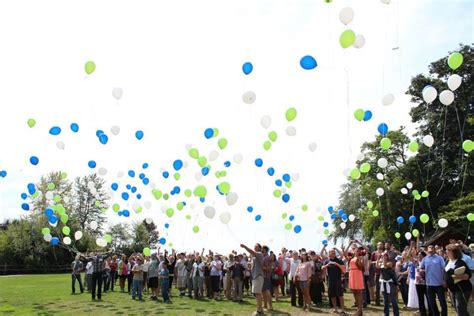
(356, 276)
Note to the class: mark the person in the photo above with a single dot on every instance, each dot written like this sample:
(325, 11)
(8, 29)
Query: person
(216, 268)
(89, 271)
(317, 284)
(171, 264)
(457, 280)
(356, 277)
(146, 263)
(420, 284)
(153, 276)
(283, 266)
(257, 274)
(401, 270)
(181, 274)
(137, 278)
(412, 295)
(76, 267)
(237, 273)
(303, 277)
(388, 283)
(123, 271)
(335, 269)
(113, 272)
(105, 275)
(207, 277)
(197, 275)
(227, 277)
(433, 267)
(164, 279)
(130, 264)
(188, 263)
(267, 279)
(277, 276)
(294, 287)
(98, 270)
(376, 255)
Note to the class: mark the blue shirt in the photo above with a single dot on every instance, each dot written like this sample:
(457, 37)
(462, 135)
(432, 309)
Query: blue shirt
(434, 270)
(468, 260)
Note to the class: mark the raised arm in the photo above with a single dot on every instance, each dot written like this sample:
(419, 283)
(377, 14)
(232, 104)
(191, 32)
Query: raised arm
(250, 251)
(323, 251)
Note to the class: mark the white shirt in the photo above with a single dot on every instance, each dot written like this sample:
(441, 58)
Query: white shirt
(181, 268)
(450, 265)
(145, 266)
(293, 266)
(89, 268)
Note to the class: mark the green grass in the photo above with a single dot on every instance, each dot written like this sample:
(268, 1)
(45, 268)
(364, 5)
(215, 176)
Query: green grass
(50, 295)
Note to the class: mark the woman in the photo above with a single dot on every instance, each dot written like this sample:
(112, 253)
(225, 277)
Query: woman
(401, 269)
(356, 278)
(420, 284)
(207, 277)
(388, 286)
(216, 268)
(457, 280)
(277, 275)
(123, 270)
(303, 277)
(412, 295)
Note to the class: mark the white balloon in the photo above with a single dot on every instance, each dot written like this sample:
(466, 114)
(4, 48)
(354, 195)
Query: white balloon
(388, 99)
(360, 157)
(188, 147)
(198, 176)
(213, 155)
(359, 41)
(67, 240)
(49, 195)
(225, 218)
(238, 158)
(93, 225)
(428, 140)
(60, 145)
(404, 191)
(93, 191)
(291, 131)
(209, 211)
(443, 222)
(149, 220)
(429, 94)
(53, 225)
(47, 237)
(78, 235)
(385, 1)
(379, 191)
(115, 130)
(231, 198)
(102, 171)
(318, 209)
(101, 242)
(408, 235)
(379, 176)
(66, 199)
(446, 97)
(352, 217)
(454, 81)
(295, 176)
(120, 174)
(382, 163)
(147, 205)
(312, 146)
(346, 15)
(117, 93)
(266, 121)
(342, 225)
(249, 97)
(409, 185)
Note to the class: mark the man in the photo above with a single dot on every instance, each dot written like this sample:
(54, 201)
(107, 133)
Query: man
(433, 267)
(317, 285)
(138, 278)
(284, 266)
(89, 272)
(98, 264)
(335, 269)
(294, 287)
(189, 277)
(376, 256)
(237, 273)
(153, 276)
(391, 253)
(267, 279)
(113, 272)
(228, 266)
(76, 274)
(257, 274)
(181, 274)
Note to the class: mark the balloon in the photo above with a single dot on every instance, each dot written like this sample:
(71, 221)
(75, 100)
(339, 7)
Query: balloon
(385, 143)
(359, 41)
(66, 230)
(54, 241)
(424, 218)
(409, 185)
(370, 204)
(89, 67)
(382, 163)
(146, 251)
(379, 176)
(208, 133)
(382, 129)
(67, 240)
(375, 213)
(291, 114)
(249, 97)
(139, 134)
(455, 60)
(213, 155)
(388, 99)
(92, 164)
(343, 225)
(115, 130)
(347, 38)
(397, 235)
(428, 140)
(346, 15)
(443, 223)
(47, 237)
(117, 93)
(258, 217)
(468, 145)
(404, 191)
(429, 94)
(101, 242)
(425, 194)
(169, 212)
(103, 139)
(308, 62)
(193, 153)
(93, 225)
(31, 123)
(379, 191)
(290, 131)
(200, 191)
(55, 130)
(355, 174)
(454, 81)
(351, 217)
(367, 115)
(238, 158)
(247, 68)
(177, 164)
(258, 162)
(224, 187)
(297, 229)
(288, 226)
(286, 198)
(400, 220)
(408, 235)
(413, 146)
(196, 229)
(3, 174)
(312, 146)
(470, 217)
(266, 121)
(74, 127)
(359, 114)
(446, 97)
(34, 160)
(222, 143)
(231, 198)
(225, 218)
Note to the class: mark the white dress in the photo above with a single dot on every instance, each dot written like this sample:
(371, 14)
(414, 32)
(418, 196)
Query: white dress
(412, 296)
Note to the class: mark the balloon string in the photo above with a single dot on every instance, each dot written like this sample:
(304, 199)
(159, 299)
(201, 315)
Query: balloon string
(348, 116)
(464, 177)
(442, 153)
(468, 231)
(232, 234)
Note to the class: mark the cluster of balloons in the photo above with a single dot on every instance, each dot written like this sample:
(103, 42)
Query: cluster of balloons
(362, 115)
(348, 37)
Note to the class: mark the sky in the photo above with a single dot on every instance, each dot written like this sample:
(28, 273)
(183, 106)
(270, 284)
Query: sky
(179, 64)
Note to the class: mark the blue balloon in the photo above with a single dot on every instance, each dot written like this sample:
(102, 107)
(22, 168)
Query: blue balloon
(54, 241)
(205, 171)
(208, 133)
(139, 134)
(297, 229)
(271, 171)
(52, 219)
(247, 68)
(177, 164)
(167, 225)
(258, 217)
(139, 196)
(326, 224)
(278, 182)
(227, 164)
(162, 240)
(258, 162)
(74, 127)
(131, 173)
(340, 212)
(92, 164)
(250, 209)
(202, 200)
(34, 160)
(367, 115)
(400, 220)
(383, 129)
(333, 216)
(286, 177)
(325, 242)
(99, 132)
(103, 139)
(344, 217)
(119, 213)
(177, 189)
(292, 217)
(142, 176)
(24, 196)
(125, 196)
(146, 181)
(48, 212)
(25, 206)
(31, 188)
(145, 165)
(55, 130)
(285, 198)
(126, 213)
(134, 189)
(308, 62)
(128, 186)
(3, 173)
(330, 209)
(412, 219)
(166, 174)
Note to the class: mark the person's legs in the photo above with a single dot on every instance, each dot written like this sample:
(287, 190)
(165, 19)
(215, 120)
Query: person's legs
(112, 280)
(80, 282)
(93, 284)
(461, 302)
(366, 292)
(431, 294)
(393, 300)
(282, 285)
(386, 303)
(442, 300)
(129, 282)
(190, 285)
(377, 289)
(134, 289)
(73, 283)
(421, 293)
(292, 293)
(334, 303)
(300, 295)
(140, 289)
(341, 303)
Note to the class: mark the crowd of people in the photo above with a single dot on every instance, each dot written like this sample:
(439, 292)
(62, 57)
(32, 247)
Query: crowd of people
(424, 277)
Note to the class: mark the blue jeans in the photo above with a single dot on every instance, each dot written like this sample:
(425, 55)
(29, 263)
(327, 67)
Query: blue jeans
(165, 289)
(389, 298)
(432, 292)
(137, 289)
(77, 277)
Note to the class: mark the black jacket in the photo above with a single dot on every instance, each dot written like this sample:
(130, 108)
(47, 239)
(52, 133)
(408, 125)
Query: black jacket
(464, 285)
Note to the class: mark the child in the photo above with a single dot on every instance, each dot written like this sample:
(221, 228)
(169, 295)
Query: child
(388, 282)
(164, 278)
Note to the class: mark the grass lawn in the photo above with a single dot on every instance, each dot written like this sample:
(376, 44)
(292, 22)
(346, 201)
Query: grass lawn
(50, 295)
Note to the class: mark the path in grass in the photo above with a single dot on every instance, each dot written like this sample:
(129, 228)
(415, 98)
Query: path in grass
(50, 295)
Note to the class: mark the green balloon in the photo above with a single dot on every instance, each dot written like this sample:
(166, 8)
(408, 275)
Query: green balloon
(188, 217)
(288, 226)
(273, 136)
(415, 193)
(97, 204)
(425, 194)
(468, 145)
(370, 204)
(470, 217)
(35, 195)
(116, 207)
(397, 235)
(424, 218)
(277, 193)
(375, 213)
(326, 232)
(156, 193)
(196, 229)
(284, 215)
(355, 174)
(413, 146)
(291, 114)
(51, 186)
(31, 123)
(359, 114)
(57, 198)
(187, 193)
(417, 197)
(455, 60)
(108, 238)
(66, 230)
(177, 176)
(166, 196)
(169, 212)
(89, 67)
(288, 184)
(46, 231)
(304, 207)
(193, 153)
(267, 145)
(365, 167)
(385, 143)
(180, 206)
(60, 209)
(320, 218)
(202, 161)
(146, 251)
(222, 143)
(63, 175)
(216, 132)
(200, 191)
(224, 187)
(64, 218)
(347, 38)
(415, 232)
